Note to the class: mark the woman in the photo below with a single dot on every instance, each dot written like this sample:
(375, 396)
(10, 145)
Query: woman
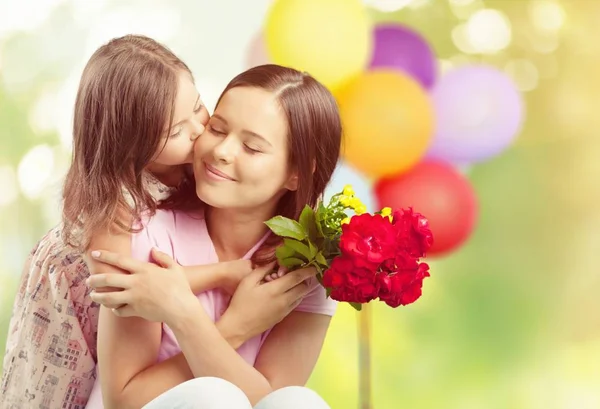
(269, 149)
(136, 117)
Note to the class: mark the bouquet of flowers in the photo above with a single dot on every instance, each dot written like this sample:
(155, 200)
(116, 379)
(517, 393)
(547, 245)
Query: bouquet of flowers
(358, 257)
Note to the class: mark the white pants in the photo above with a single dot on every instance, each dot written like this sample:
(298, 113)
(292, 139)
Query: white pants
(216, 393)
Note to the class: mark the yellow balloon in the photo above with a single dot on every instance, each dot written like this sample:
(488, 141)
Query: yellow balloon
(388, 122)
(329, 39)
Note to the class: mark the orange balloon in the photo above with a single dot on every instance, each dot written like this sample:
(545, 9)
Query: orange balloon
(388, 122)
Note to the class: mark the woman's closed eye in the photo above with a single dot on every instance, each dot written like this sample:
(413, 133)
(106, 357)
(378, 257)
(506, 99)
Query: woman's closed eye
(216, 131)
(252, 149)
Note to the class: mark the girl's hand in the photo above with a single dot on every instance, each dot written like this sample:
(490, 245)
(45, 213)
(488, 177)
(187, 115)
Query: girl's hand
(159, 293)
(276, 274)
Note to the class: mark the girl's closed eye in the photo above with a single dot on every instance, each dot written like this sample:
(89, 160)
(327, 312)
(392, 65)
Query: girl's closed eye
(176, 134)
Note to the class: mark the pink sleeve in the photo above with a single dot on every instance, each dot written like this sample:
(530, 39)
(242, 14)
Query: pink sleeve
(154, 233)
(317, 302)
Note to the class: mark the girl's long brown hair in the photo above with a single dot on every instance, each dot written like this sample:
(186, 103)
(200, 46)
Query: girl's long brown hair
(124, 104)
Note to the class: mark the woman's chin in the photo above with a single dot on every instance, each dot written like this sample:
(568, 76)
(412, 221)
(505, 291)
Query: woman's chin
(211, 197)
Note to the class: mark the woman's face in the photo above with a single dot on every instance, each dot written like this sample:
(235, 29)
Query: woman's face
(189, 120)
(241, 159)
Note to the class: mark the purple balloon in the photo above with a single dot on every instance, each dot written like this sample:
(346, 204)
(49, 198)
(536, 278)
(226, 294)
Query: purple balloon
(401, 48)
(478, 112)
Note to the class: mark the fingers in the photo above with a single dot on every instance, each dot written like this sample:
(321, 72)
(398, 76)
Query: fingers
(259, 273)
(124, 281)
(271, 277)
(293, 278)
(162, 259)
(117, 260)
(124, 311)
(295, 294)
(113, 299)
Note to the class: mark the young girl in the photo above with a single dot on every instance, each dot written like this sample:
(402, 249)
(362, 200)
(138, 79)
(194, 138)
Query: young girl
(269, 149)
(137, 115)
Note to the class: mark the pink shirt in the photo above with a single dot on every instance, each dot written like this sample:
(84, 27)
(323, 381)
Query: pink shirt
(185, 238)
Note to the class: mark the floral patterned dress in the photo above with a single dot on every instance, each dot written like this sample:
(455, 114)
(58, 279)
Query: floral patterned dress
(50, 360)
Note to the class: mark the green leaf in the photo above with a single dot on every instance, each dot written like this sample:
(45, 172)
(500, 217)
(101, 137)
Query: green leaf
(321, 259)
(284, 252)
(309, 222)
(313, 250)
(328, 291)
(319, 272)
(299, 248)
(357, 306)
(320, 216)
(292, 262)
(284, 227)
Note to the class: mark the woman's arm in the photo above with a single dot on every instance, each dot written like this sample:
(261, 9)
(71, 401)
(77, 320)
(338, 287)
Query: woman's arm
(292, 349)
(206, 349)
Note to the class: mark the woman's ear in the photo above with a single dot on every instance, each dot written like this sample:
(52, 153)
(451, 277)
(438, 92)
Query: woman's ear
(292, 183)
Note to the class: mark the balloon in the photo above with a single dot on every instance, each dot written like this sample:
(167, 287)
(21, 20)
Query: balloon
(387, 120)
(257, 51)
(346, 175)
(330, 39)
(439, 192)
(399, 47)
(479, 113)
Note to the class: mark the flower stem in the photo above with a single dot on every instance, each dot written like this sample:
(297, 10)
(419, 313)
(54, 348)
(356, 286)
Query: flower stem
(364, 357)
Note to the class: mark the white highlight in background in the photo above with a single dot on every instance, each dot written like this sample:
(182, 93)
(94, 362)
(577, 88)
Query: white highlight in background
(35, 170)
(488, 31)
(547, 15)
(8, 180)
(387, 6)
(24, 15)
(158, 23)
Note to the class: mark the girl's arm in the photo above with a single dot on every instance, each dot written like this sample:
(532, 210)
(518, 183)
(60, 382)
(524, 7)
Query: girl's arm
(225, 275)
(124, 344)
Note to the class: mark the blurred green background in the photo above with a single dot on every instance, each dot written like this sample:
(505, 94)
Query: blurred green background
(510, 321)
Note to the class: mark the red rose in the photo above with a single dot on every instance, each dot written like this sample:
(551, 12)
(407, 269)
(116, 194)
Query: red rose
(349, 282)
(368, 240)
(413, 232)
(405, 286)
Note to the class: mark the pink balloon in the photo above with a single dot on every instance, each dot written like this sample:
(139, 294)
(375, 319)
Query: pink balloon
(257, 51)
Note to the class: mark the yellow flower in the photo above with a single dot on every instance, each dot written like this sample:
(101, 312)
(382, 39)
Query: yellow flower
(348, 191)
(345, 220)
(345, 201)
(360, 209)
(386, 211)
(355, 202)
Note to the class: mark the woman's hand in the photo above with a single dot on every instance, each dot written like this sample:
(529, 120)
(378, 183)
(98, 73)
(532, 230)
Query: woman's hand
(233, 274)
(257, 305)
(159, 293)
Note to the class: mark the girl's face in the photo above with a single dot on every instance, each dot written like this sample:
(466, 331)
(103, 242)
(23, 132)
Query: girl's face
(241, 159)
(189, 120)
